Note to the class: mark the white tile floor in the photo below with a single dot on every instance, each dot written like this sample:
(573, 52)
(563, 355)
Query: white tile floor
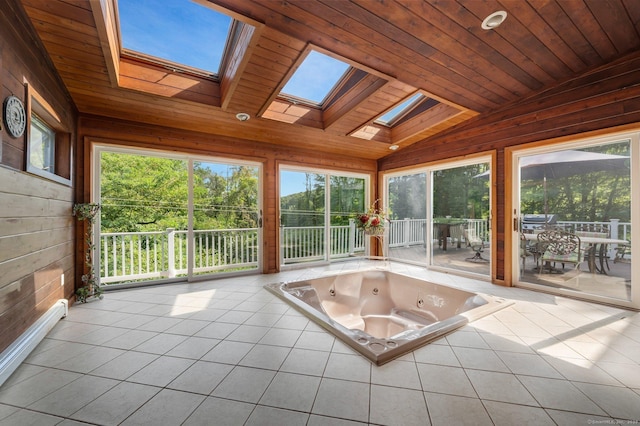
(226, 352)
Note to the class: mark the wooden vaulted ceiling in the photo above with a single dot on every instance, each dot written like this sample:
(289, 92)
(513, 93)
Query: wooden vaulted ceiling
(400, 47)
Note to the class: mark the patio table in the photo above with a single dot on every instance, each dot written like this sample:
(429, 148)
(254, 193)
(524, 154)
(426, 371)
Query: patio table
(444, 230)
(592, 241)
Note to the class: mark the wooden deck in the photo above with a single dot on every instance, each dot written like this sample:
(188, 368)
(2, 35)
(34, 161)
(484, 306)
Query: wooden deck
(616, 283)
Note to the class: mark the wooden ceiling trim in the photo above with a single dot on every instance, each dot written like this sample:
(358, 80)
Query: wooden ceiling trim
(287, 112)
(634, 13)
(160, 81)
(416, 125)
(349, 102)
(428, 33)
(106, 22)
(362, 49)
(373, 132)
(237, 63)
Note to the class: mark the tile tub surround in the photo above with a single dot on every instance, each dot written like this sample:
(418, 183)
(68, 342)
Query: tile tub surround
(228, 349)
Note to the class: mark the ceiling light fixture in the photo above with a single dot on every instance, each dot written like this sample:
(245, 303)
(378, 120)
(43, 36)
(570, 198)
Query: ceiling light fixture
(494, 20)
(393, 147)
(243, 116)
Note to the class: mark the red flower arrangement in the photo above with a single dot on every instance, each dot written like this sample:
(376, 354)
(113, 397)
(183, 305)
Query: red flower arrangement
(372, 222)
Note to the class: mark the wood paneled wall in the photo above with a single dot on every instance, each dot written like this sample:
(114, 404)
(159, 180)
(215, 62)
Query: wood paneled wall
(36, 223)
(94, 129)
(602, 99)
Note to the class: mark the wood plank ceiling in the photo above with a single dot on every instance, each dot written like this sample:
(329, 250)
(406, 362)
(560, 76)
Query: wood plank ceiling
(399, 47)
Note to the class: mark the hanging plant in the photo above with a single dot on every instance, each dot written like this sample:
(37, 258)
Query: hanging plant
(91, 287)
(373, 221)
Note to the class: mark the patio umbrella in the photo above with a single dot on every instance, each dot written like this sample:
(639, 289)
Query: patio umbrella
(567, 163)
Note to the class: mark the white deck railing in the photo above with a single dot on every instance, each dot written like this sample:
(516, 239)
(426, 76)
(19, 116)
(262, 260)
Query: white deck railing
(129, 256)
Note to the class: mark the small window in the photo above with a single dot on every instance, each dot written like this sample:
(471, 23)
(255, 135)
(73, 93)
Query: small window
(42, 145)
(49, 150)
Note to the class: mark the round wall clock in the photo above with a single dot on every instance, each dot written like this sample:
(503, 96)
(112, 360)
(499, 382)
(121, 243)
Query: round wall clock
(14, 116)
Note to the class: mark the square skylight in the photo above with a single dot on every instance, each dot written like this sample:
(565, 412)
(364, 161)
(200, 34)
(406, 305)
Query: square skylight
(315, 78)
(400, 110)
(181, 32)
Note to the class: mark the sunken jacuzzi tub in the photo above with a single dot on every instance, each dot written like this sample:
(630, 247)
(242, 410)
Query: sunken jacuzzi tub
(382, 314)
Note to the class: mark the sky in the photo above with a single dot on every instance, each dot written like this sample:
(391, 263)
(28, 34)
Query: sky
(177, 30)
(315, 77)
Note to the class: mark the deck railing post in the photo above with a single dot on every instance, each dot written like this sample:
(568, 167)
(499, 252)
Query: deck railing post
(171, 253)
(613, 233)
(407, 232)
(352, 237)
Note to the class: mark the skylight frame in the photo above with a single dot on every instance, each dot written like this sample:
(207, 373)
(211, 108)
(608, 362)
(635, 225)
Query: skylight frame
(232, 28)
(339, 81)
(400, 110)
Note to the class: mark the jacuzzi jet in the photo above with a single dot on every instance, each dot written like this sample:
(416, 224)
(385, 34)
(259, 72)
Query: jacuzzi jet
(362, 340)
(420, 303)
(391, 344)
(332, 291)
(375, 291)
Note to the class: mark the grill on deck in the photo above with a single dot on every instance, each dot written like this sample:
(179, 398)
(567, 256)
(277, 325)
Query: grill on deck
(537, 221)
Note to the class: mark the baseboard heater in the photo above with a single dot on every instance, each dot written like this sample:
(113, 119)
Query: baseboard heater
(19, 350)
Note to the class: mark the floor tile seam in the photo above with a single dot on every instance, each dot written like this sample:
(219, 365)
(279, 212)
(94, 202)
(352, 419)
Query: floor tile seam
(71, 382)
(31, 410)
(574, 387)
(540, 357)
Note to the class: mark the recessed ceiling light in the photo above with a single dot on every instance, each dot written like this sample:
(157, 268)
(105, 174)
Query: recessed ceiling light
(243, 116)
(393, 147)
(494, 20)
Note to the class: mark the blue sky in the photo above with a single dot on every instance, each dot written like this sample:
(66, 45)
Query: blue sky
(177, 30)
(315, 77)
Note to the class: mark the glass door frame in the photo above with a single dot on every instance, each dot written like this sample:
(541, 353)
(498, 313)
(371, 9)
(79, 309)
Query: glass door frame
(428, 169)
(327, 212)
(512, 212)
(98, 147)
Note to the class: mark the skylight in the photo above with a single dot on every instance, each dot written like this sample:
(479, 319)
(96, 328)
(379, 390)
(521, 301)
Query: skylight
(316, 77)
(399, 110)
(179, 31)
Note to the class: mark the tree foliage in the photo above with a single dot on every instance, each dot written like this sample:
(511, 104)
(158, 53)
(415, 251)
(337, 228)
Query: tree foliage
(145, 193)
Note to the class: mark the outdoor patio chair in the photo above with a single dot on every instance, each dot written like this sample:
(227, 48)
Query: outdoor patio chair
(476, 243)
(525, 251)
(559, 247)
(621, 251)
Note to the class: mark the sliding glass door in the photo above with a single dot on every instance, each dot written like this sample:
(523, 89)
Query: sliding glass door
(575, 218)
(166, 216)
(440, 216)
(226, 217)
(317, 211)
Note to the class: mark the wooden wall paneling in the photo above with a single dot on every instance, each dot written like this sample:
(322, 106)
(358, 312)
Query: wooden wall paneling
(36, 230)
